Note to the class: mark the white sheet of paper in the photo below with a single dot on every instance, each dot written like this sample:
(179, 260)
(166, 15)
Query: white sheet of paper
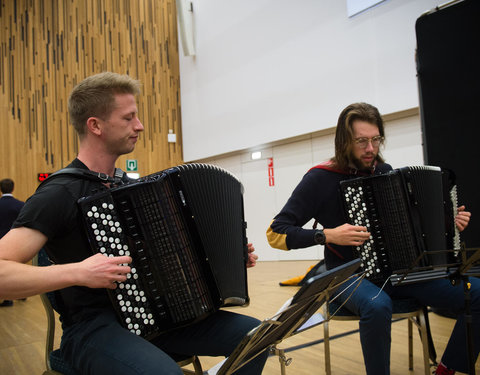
(314, 320)
(213, 370)
(282, 309)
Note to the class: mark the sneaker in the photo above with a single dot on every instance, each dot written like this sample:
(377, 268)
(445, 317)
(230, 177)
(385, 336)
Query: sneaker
(294, 281)
(6, 303)
(443, 370)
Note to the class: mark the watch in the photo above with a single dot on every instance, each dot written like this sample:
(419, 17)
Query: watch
(319, 237)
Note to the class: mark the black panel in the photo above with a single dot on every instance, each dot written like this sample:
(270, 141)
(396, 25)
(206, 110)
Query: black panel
(448, 66)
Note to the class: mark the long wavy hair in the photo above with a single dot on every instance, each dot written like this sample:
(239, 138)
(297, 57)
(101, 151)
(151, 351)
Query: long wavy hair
(344, 140)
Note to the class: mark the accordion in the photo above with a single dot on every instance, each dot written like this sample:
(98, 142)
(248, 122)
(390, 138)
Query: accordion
(185, 231)
(409, 213)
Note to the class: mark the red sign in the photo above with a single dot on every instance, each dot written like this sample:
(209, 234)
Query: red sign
(271, 177)
(42, 176)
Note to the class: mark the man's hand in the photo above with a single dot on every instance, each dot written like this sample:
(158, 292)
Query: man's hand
(347, 235)
(462, 219)
(252, 258)
(100, 271)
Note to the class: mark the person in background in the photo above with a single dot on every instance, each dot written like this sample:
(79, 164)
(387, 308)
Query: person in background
(103, 110)
(9, 209)
(359, 135)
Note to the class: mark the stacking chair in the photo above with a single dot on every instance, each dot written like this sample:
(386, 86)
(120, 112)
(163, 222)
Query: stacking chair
(55, 364)
(408, 309)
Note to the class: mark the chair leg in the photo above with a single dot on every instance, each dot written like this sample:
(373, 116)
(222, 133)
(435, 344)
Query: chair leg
(426, 351)
(420, 322)
(431, 345)
(197, 366)
(410, 345)
(326, 344)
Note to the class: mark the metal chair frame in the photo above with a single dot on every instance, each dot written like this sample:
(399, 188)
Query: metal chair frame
(416, 317)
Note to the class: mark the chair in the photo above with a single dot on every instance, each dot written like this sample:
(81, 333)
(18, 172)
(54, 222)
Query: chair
(402, 309)
(55, 364)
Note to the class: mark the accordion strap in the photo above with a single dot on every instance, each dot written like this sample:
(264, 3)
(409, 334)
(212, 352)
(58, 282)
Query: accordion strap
(89, 175)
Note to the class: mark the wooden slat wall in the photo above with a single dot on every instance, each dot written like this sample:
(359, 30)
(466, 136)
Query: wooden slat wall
(48, 46)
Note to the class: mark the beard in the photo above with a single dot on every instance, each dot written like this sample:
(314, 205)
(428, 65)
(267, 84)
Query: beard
(361, 166)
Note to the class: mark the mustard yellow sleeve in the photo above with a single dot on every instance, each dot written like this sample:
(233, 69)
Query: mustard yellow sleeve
(276, 240)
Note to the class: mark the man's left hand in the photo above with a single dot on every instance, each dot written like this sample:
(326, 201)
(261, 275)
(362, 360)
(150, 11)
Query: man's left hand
(462, 218)
(252, 258)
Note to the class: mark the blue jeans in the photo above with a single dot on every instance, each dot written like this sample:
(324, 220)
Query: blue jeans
(376, 319)
(101, 346)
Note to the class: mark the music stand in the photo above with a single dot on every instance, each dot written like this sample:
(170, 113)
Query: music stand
(415, 273)
(311, 296)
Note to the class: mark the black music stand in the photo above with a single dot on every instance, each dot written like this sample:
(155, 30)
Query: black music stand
(293, 315)
(455, 272)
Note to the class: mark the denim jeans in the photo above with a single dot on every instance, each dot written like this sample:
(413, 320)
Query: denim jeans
(376, 317)
(101, 346)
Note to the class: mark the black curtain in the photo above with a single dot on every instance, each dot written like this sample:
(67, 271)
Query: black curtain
(448, 68)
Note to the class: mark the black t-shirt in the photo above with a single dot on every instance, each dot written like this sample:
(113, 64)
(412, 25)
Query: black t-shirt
(53, 210)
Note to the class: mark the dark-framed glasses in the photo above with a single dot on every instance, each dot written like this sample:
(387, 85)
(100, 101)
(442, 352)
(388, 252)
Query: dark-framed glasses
(363, 142)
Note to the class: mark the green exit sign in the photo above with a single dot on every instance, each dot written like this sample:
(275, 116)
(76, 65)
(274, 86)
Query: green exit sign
(132, 165)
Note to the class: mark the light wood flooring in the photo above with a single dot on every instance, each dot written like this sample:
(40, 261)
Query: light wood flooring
(23, 327)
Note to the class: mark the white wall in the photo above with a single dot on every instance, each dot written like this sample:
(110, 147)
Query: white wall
(267, 70)
(291, 161)
(273, 75)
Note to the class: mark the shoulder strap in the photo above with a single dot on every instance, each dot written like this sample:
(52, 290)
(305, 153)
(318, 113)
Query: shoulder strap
(328, 168)
(355, 172)
(89, 175)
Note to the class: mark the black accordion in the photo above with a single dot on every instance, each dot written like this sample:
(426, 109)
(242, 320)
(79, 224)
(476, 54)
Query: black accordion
(409, 213)
(185, 231)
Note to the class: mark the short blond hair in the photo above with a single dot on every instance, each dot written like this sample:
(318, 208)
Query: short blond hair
(95, 96)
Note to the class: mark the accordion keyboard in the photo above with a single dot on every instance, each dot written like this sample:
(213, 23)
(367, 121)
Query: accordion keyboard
(165, 287)
(371, 252)
(110, 240)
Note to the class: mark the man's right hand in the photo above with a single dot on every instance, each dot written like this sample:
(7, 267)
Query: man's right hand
(347, 235)
(100, 271)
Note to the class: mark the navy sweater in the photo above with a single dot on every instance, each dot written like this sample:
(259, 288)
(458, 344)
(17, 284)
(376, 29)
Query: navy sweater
(317, 196)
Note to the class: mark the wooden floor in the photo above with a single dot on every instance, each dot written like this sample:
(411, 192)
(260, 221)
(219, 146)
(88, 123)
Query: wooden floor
(23, 327)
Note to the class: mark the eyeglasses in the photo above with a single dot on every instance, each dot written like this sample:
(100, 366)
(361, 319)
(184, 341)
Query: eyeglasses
(363, 142)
